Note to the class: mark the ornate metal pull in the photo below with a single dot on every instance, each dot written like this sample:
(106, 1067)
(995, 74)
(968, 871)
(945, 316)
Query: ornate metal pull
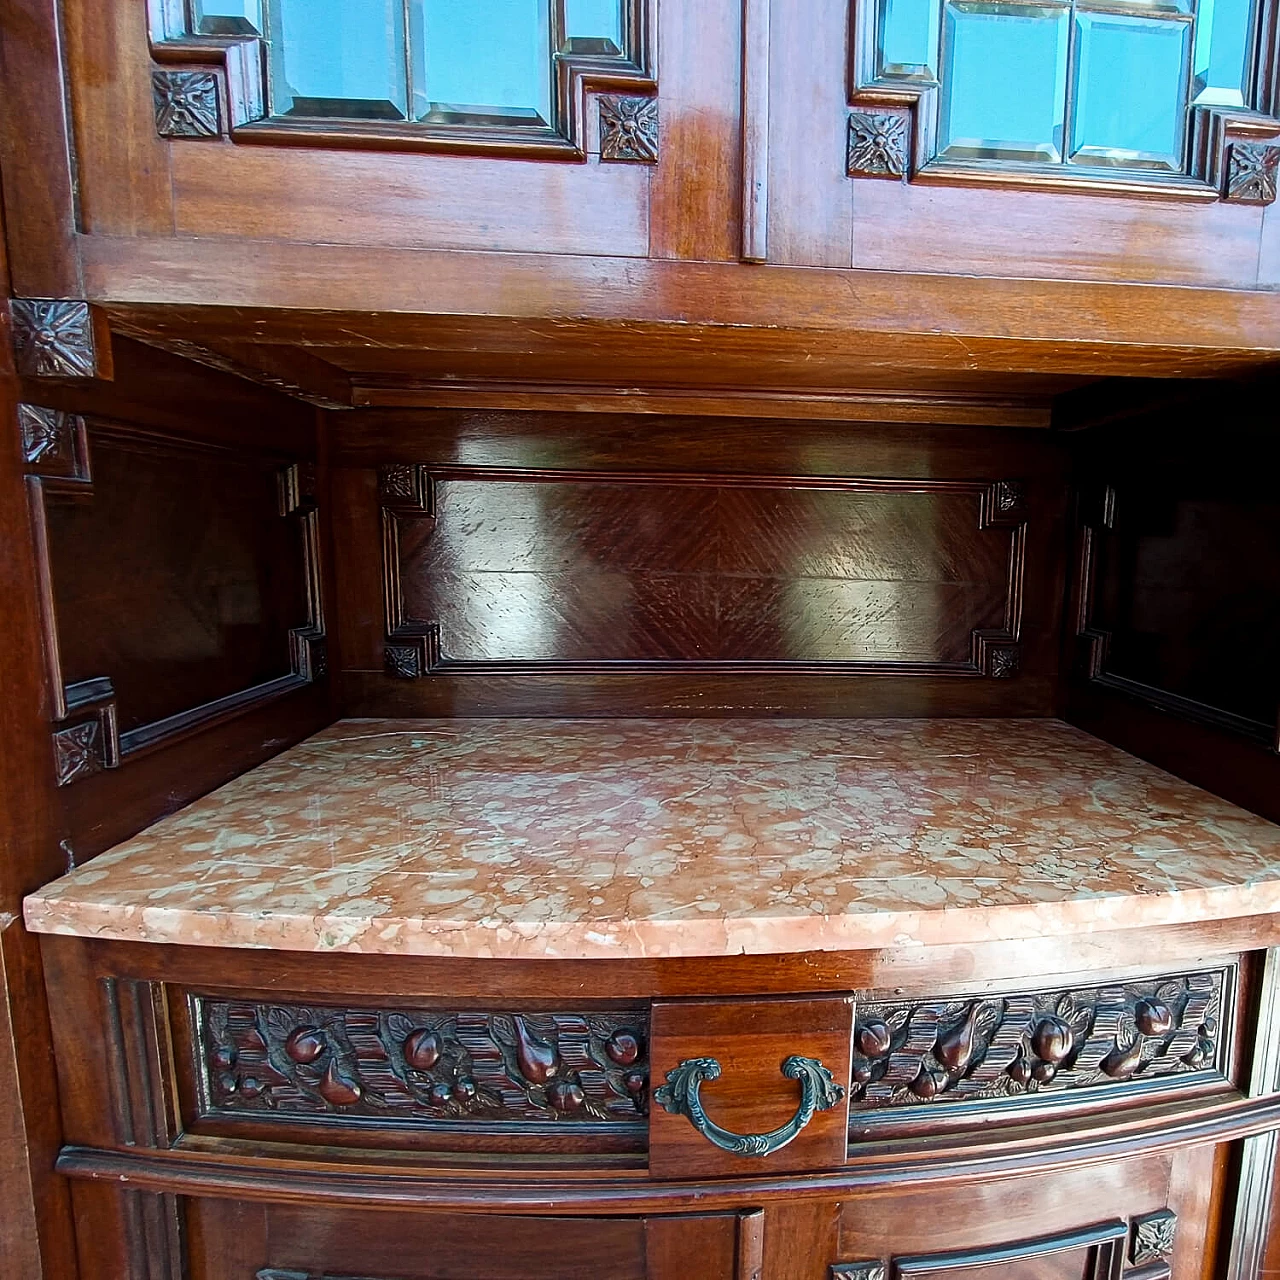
(679, 1096)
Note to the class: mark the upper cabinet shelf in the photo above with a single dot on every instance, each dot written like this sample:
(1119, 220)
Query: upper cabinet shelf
(667, 162)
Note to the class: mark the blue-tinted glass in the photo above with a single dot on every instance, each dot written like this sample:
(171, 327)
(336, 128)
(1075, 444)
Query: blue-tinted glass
(226, 17)
(489, 59)
(593, 26)
(1130, 90)
(1004, 81)
(907, 37)
(1224, 29)
(342, 58)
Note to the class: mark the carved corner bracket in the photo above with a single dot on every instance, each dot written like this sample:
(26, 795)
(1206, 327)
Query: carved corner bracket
(59, 338)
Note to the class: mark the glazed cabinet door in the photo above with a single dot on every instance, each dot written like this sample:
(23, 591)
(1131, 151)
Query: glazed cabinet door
(238, 1241)
(900, 139)
(527, 126)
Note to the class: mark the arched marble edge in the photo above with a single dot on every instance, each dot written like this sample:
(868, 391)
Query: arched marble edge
(646, 839)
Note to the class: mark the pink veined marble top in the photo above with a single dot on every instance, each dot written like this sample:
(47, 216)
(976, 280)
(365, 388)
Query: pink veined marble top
(524, 838)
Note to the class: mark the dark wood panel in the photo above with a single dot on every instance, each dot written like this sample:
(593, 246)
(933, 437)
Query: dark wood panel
(1176, 590)
(882, 575)
(179, 578)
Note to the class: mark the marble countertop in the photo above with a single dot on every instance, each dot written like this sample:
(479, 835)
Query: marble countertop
(583, 839)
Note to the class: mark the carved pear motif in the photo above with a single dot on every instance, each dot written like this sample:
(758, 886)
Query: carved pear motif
(422, 1049)
(1154, 1017)
(1120, 1064)
(875, 1039)
(338, 1089)
(537, 1059)
(305, 1044)
(566, 1096)
(1053, 1040)
(955, 1047)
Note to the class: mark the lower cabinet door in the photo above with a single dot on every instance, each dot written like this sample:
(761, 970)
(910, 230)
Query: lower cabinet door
(237, 1241)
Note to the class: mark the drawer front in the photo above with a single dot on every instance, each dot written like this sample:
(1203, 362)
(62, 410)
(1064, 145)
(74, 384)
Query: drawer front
(749, 1086)
(398, 1075)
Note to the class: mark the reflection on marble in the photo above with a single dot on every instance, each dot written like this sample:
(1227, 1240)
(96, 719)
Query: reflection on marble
(675, 838)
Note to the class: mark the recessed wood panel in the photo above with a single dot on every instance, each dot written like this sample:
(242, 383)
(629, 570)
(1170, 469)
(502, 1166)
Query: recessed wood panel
(635, 571)
(1180, 597)
(177, 576)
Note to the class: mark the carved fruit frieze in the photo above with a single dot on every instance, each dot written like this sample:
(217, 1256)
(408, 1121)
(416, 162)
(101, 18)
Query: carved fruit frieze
(1003, 1046)
(423, 1065)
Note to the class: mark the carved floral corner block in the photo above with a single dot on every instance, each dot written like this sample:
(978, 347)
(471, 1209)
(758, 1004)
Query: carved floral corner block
(53, 338)
(79, 750)
(1009, 496)
(1003, 662)
(403, 661)
(857, 1271)
(186, 104)
(1253, 169)
(51, 440)
(629, 128)
(405, 485)
(1152, 1237)
(878, 142)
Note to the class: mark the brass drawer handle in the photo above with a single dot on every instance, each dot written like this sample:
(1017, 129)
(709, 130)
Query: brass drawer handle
(679, 1096)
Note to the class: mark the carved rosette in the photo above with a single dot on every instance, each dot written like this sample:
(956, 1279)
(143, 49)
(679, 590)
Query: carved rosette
(1252, 172)
(53, 338)
(878, 142)
(186, 104)
(1152, 1237)
(858, 1271)
(629, 128)
(79, 751)
(48, 438)
(400, 1065)
(1040, 1042)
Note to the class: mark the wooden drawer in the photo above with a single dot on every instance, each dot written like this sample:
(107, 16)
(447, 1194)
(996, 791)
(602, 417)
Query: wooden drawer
(230, 1240)
(747, 1092)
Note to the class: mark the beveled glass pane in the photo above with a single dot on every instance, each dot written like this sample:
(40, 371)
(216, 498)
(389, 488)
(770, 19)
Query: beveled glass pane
(907, 38)
(226, 17)
(1130, 91)
(339, 58)
(1224, 31)
(488, 61)
(593, 26)
(1004, 81)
